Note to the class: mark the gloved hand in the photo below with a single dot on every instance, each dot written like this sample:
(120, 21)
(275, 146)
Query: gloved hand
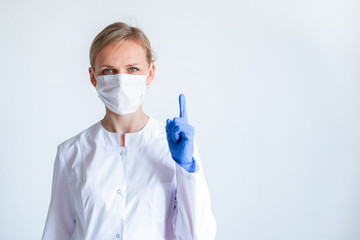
(180, 137)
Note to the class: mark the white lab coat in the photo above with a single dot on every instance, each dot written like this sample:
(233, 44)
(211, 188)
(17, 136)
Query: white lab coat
(101, 190)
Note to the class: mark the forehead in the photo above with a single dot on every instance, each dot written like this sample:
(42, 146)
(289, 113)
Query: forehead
(121, 53)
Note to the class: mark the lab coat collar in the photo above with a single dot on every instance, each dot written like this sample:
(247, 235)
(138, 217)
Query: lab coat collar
(132, 140)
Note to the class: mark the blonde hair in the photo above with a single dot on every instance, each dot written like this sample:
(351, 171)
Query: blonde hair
(120, 31)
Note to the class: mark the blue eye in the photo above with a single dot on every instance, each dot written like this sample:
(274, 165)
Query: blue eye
(132, 69)
(107, 71)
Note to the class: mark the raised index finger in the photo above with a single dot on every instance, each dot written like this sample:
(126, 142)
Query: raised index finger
(183, 113)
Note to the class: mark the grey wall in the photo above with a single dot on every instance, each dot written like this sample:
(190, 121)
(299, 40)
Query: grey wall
(272, 90)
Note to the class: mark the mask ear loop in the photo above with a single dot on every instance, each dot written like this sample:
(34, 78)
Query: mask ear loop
(148, 86)
(93, 72)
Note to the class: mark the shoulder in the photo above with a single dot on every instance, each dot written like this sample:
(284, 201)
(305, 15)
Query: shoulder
(73, 143)
(157, 123)
(157, 127)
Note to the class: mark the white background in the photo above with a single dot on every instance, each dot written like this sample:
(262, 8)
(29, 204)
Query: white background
(272, 87)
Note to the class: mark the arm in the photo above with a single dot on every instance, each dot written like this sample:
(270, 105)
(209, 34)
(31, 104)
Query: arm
(60, 220)
(194, 218)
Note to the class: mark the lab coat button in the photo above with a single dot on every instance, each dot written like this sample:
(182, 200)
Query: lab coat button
(119, 191)
(121, 153)
(117, 235)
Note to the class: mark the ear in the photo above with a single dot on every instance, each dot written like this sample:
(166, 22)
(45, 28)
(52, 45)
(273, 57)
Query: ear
(151, 75)
(92, 77)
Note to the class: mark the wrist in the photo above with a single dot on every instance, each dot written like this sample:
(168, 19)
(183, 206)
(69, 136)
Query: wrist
(189, 167)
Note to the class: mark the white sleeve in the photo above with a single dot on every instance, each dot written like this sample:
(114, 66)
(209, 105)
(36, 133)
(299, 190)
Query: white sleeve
(193, 218)
(60, 220)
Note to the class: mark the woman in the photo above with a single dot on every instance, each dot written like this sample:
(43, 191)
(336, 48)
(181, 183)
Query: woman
(128, 176)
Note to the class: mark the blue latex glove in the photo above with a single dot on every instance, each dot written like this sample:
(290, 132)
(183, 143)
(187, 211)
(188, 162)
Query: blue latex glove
(180, 137)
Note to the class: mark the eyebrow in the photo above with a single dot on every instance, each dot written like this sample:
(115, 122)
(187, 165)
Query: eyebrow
(106, 65)
(133, 64)
(127, 65)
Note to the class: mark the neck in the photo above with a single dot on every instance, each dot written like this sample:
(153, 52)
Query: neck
(122, 124)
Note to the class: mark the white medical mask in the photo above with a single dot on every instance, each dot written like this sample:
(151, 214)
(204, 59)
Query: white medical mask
(122, 93)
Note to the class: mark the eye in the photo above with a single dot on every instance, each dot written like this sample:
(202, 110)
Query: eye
(107, 71)
(133, 69)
